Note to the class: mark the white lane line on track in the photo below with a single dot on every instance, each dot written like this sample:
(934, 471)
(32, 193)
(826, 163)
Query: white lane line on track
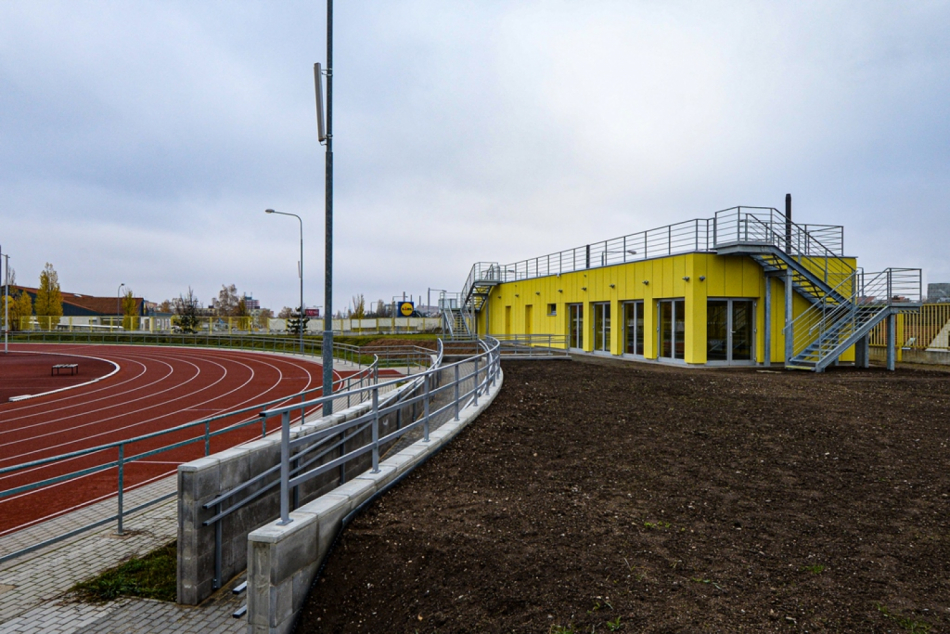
(115, 370)
(107, 398)
(232, 358)
(123, 414)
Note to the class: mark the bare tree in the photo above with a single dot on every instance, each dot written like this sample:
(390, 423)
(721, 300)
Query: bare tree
(186, 312)
(227, 302)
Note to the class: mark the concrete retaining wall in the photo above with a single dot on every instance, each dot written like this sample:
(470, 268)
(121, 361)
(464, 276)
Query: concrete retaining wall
(200, 481)
(283, 560)
(926, 357)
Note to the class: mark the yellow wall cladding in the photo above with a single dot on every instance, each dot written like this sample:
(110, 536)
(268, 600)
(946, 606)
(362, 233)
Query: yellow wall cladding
(525, 306)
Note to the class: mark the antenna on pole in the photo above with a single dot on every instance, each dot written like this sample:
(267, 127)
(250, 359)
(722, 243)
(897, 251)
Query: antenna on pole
(318, 86)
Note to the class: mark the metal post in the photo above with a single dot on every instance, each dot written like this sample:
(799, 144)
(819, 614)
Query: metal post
(285, 469)
(118, 303)
(891, 341)
(207, 437)
(121, 484)
(767, 358)
(789, 335)
(425, 404)
(6, 305)
(456, 391)
(476, 380)
(376, 431)
(216, 582)
(328, 264)
(788, 223)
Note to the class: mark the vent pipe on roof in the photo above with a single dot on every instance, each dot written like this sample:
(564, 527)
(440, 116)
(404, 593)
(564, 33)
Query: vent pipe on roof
(788, 223)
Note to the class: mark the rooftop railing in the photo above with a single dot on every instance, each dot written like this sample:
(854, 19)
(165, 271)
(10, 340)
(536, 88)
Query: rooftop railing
(728, 226)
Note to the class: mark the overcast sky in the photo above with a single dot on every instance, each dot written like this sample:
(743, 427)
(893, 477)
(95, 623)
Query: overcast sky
(141, 141)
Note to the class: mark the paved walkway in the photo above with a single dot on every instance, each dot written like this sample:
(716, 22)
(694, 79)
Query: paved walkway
(34, 588)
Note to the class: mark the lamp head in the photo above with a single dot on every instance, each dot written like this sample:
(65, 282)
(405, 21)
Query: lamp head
(268, 211)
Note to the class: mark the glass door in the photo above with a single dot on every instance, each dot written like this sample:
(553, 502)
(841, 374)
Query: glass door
(730, 330)
(633, 328)
(742, 330)
(671, 328)
(602, 327)
(575, 317)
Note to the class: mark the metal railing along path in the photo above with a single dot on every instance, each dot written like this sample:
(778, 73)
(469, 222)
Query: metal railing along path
(533, 346)
(313, 345)
(438, 394)
(347, 390)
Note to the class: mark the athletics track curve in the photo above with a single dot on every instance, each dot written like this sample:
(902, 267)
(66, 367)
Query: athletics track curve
(156, 388)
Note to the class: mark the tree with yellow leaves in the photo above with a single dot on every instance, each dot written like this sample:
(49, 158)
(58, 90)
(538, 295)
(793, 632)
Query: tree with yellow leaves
(49, 299)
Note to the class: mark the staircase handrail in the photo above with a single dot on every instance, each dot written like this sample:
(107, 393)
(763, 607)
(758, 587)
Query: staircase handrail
(481, 272)
(810, 324)
(871, 293)
(734, 225)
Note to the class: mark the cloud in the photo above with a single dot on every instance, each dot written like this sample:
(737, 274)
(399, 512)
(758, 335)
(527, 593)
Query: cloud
(148, 138)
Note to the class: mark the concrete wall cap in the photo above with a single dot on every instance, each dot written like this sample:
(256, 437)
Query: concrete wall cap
(200, 463)
(274, 533)
(325, 504)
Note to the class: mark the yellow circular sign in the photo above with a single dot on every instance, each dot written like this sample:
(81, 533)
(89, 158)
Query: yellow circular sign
(406, 309)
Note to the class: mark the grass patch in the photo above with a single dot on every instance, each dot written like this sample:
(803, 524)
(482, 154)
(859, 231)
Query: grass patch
(152, 577)
(905, 623)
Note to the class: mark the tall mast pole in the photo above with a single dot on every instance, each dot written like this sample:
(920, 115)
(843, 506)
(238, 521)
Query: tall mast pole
(328, 265)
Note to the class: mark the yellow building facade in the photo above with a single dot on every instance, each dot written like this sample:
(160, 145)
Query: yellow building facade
(658, 309)
(742, 288)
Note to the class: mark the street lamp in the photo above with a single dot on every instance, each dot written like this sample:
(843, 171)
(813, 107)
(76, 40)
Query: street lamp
(6, 305)
(118, 301)
(299, 271)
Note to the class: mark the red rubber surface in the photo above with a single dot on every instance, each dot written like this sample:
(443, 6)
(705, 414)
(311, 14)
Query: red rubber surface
(24, 373)
(156, 388)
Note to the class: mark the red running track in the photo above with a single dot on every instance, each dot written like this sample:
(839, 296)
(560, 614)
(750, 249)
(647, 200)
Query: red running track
(156, 388)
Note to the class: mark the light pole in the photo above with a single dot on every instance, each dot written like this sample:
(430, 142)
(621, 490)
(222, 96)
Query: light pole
(325, 135)
(6, 304)
(299, 272)
(118, 301)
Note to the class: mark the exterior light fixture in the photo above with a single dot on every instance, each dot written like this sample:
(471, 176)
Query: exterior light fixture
(702, 278)
(686, 279)
(613, 286)
(646, 282)
(537, 292)
(583, 288)
(560, 290)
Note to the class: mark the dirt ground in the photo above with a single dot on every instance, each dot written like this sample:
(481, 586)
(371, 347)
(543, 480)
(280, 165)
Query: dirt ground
(595, 497)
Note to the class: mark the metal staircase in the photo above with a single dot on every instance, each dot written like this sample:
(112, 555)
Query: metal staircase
(846, 303)
(458, 323)
(459, 318)
(781, 246)
(823, 332)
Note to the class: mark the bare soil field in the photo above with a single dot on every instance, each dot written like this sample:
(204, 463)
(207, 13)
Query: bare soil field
(597, 497)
